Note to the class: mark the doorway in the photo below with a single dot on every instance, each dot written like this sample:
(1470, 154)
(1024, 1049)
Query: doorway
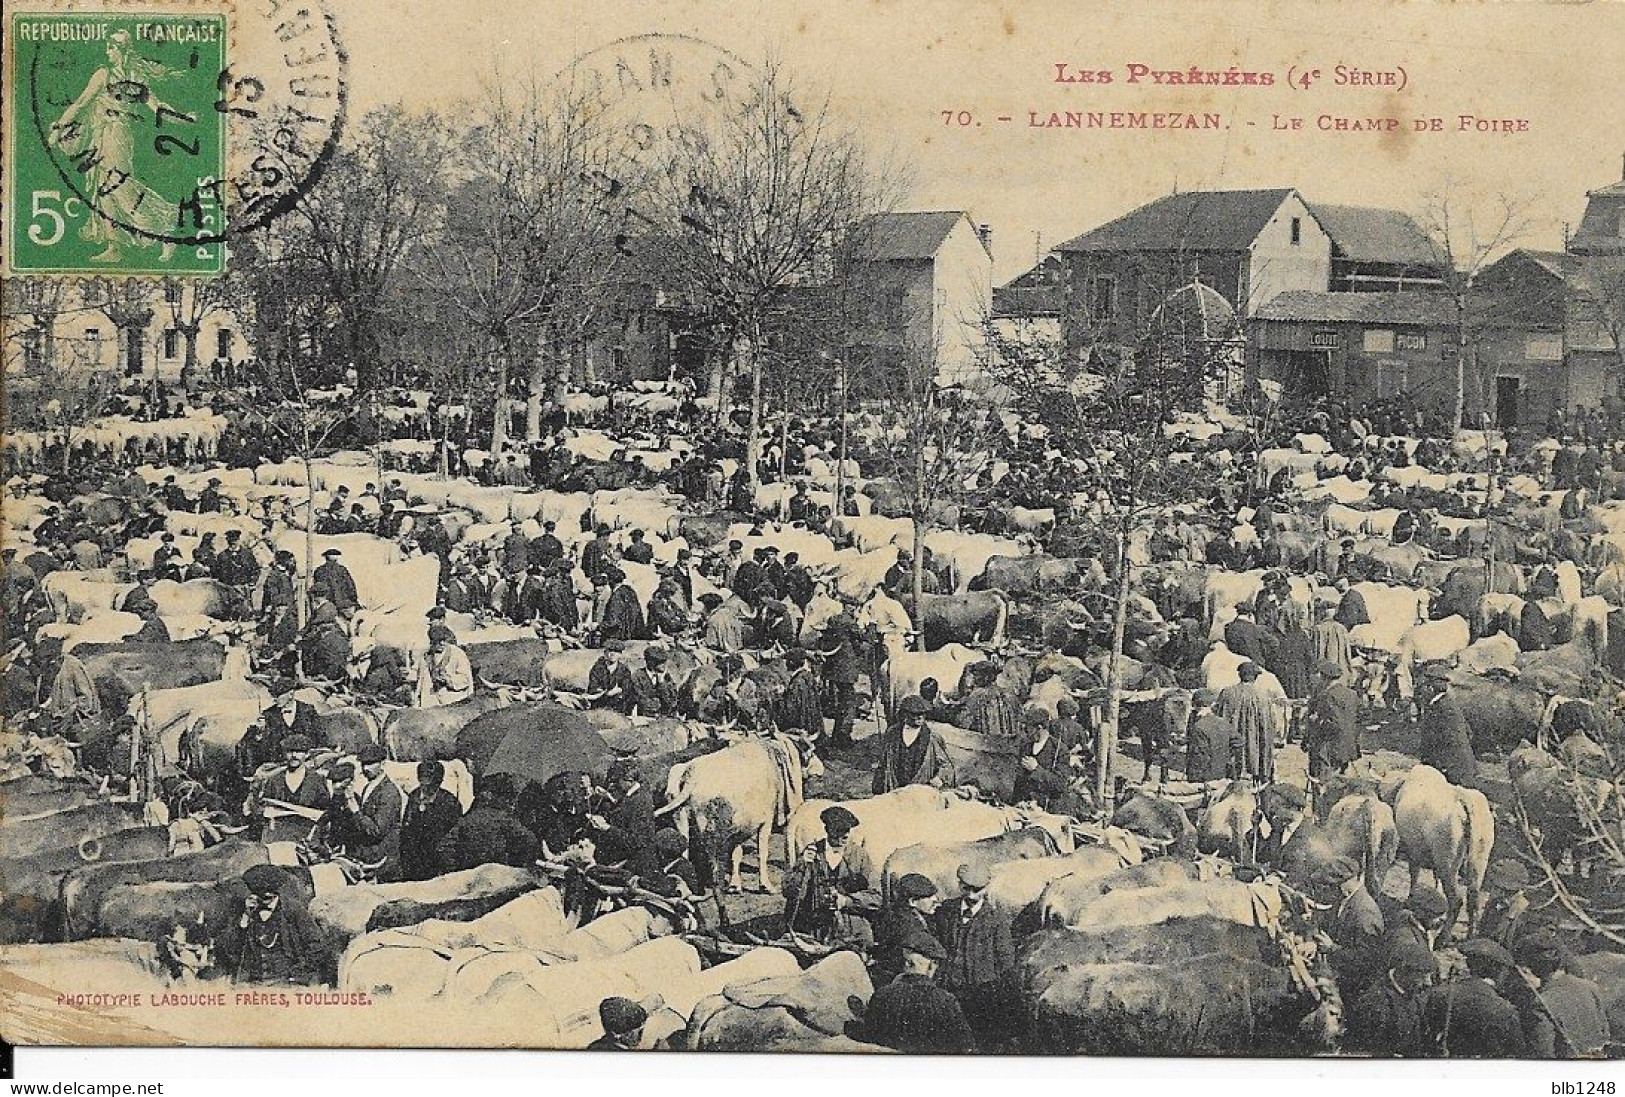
(1506, 402)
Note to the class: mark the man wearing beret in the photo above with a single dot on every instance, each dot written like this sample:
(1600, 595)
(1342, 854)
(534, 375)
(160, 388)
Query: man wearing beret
(911, 753)
(1353, 922)
(1578, 1019)
(333, 581)
(981, 966)
(649, 690)
(1445, 741)
(273, 939)
(819, 889)
(1332, 732)
(1211, 741)
(626, 829)
(623, 1021)
(365, 817)
(446, 675)
(914, 1013)
(1252, 715)
(800, 704)
(1385, 1019)
(289, 801)
(1469, 1017)
(914, 899)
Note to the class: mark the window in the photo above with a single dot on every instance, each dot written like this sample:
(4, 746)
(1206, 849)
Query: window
(1102, 297)
(172, 293)
(172, 343)
(93, 335)
(1378, 341)
(1297, 230)
(1539, 347)
(1412, 340)
(617, 359)
(1323, 340)
(33, 350)
(1392, 378)
(222, 343)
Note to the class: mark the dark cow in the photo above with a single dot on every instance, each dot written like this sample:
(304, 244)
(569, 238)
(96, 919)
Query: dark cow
(1159, 820)
(84, 889)
(510, 662)
(1359, 827)
(66, 794)
(1198, 986)
(1158, 723)
(707, 530)
(1028, 574)
(24, 836)
(121, 671)
(1463, 589)
(962, 618)
(1499, 713)
(413, 734)
(29, 909)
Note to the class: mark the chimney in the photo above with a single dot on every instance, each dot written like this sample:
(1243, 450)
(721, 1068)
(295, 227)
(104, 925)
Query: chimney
(984, 232)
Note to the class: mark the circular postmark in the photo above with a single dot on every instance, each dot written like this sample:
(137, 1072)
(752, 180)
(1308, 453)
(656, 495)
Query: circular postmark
(179, 128)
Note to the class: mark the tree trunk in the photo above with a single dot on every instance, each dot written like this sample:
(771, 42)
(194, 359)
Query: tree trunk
(499, 414)
(540, 376)
(189, 337)
(714, 382)
(1106, 737)
(753, 437)
(445, 441)
(917, 585)
(1461, 362)
(302, 602)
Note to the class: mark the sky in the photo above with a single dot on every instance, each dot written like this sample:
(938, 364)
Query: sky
(893, 67)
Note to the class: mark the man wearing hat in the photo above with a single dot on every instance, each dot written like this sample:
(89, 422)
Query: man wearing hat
(667, 617)
(173, 495)
(1385, 1019)
(1573, 1022)
(1286, 808)
(324, 647)
(490, 833)
(333, 581)
(1353, 921)
(430, 813)
(446, 676)
(799, 706)
(606, 680)
(623, 1021)
(1253, 717)
(279, 622)
(1211, 742)
(273, 938)
(546, 546)
(204, 554)
(674, 874)
(981, 966)
(595, 554)
(839, 667)
(365, 817)
(914, 1013)
(1444, 740)
(1470, 1017)
(622, 617)
(912, 753)
(289, 801)
(726, 622)
(238, 570)
(819, 888)
(166, 557)
(626, 828)
(914, 900)
(210, 501)
(1331, 735)
(1050, 766)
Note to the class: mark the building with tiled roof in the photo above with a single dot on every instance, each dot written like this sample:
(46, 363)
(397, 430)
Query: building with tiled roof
(1362, 346)
(1378, 250)
(1602, 229)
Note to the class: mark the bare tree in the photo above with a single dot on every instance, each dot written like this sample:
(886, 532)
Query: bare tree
(1601, 299)
(529, 242)
(189, 302)
(761, 197)
(129, 305)
(1465, 242)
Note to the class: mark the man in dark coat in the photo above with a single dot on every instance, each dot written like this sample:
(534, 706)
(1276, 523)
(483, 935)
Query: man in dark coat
(840, 668)
(288, 715)
(819, 889)
(1351, 611)
(1049, 766)
(1468, 1017)
(289, 801)
(546, 547)
(648, 690)
(1386, 1018)
(433, 539)
(666, 615)
(1445, 741)
(324, 649)
(210, 499)
(365, 817)
(981, 966)
(1578, 1018)
(911, 753)
(914, 899)
(800, 706)
(279, 621)
(515, 552)
(1247, 639)
(638, 551)
(1211, 741)
(333, 581)
(1332, 731)
(557, 602)
(628, 826)
(595, 555)
(237, 568)
(489, 833)
(623, 613)
(430, 813)
(914, 1013)
(273, 938)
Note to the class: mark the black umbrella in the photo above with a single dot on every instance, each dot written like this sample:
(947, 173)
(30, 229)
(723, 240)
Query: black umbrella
(535, 742)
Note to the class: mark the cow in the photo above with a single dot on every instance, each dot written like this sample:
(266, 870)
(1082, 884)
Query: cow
(1201, 985)
(510, 662)
(413, 735)
(1358, 826)
(51, 795)
(201, 597)
(30, 906)
(1029, 574)
(1500, 713)
(1550, 792)
(808, 1010)
(1161, 821)
(522, 1000)
(910, 801)
(26, 835)
(972, 618)
(83, 889)
(939, 862)
(724, 797)
(905, 670)
(1249, 904)
(121, 671)
(412, 961)
(1446, 829)
(1230, 823)
(1017, 886)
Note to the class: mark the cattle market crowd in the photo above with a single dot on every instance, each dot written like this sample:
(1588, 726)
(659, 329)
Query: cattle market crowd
(599, 741)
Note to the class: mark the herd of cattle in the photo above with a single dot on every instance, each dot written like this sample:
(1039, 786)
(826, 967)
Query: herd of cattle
(1138, 930)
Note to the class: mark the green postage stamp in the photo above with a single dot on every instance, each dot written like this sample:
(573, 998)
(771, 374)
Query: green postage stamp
(117, 145)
